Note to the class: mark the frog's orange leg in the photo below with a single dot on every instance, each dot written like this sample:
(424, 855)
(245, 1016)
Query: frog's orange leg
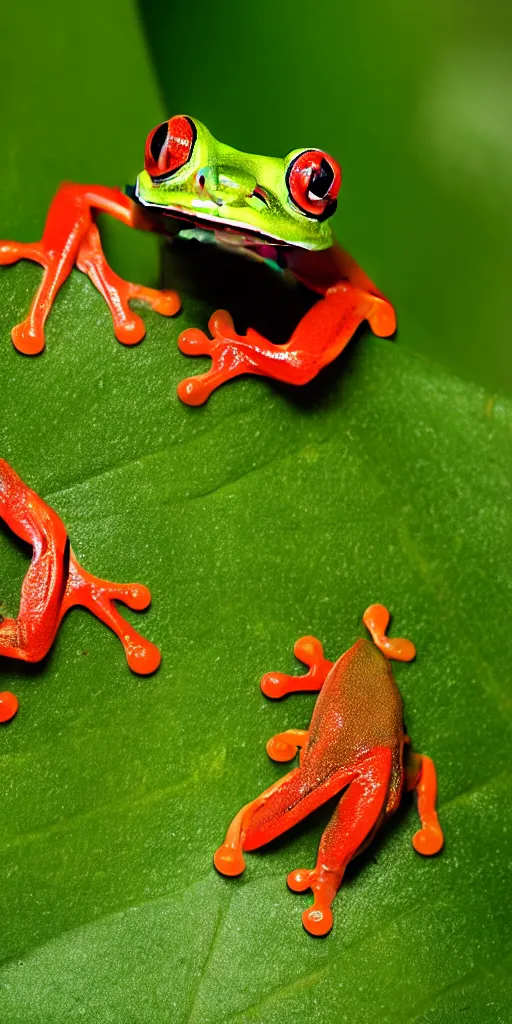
(30, 636)
(420, 774)
(228, 858)
(285, 745)
(55, 582)
(128, 326)
(278, 808)
(351, 828)
(319, 338)
(376, 619)
(68, 239)
(310, 651)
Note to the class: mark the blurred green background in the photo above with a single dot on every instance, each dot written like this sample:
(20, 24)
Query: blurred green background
(415, 100)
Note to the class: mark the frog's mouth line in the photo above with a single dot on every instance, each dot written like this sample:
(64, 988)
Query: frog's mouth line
(250, 236)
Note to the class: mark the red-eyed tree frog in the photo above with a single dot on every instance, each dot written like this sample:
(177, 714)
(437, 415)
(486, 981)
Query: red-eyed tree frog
(274, 209)
(356, 745)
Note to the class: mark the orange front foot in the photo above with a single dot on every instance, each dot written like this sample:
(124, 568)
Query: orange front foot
(420, 774)
(310, 651)
(285, 745)
(70, 239)
(376, 619)
(230, 353)
(319, 338)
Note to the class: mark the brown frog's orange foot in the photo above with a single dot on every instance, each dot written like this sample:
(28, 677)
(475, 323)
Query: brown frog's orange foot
(318, 919)
(310, 651)
(286, 745)
(420, 774)
(70, 239)
(376, 619)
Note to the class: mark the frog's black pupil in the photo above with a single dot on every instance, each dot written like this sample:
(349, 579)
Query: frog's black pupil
(158, 141)
(321, 180)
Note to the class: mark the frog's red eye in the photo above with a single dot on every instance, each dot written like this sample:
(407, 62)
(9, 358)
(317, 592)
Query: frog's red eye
(169, 147)
(313, 179)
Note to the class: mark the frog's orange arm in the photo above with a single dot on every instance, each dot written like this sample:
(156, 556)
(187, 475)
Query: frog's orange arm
(70, 237)
(310, 651)
(376, 619)
(349, 297)
(420, 774)
(56, 582)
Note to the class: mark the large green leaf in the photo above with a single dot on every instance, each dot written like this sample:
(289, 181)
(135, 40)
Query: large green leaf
(268, 513)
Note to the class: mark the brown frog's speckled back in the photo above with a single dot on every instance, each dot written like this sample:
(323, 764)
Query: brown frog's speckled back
(358, 708)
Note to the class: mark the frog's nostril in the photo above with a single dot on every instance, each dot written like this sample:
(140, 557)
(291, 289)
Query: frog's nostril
(259, 193)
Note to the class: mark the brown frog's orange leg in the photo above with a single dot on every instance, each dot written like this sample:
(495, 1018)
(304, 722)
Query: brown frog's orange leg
(420, 774)
(68, 239)
(310, 651)
(319, 338)
(228, 859)
(376, 619)
(353, 824)
(55, 582)
(285, 745)
(277, 809)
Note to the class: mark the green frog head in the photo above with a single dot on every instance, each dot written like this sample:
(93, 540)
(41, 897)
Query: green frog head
(192, 177)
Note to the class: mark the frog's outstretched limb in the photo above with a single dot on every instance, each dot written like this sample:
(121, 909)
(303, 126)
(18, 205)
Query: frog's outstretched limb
(284, 746)
(351, 828)
(228, 858)
(310, 651)
(277, 809)
(376, 619)
(319, 338)
(55, 582)
(420, 774)
(70, 237)
(30, 636)
(129, 328)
